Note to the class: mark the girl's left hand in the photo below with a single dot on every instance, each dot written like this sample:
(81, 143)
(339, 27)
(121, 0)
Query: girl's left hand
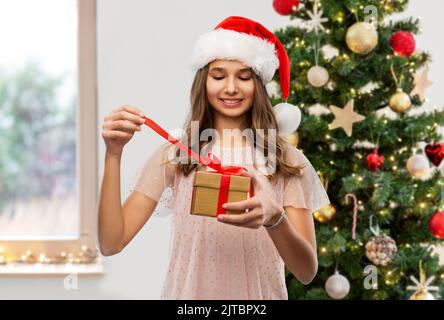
(262, 208)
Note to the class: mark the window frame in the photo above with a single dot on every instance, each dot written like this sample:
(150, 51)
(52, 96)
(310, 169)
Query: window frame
(86, 164)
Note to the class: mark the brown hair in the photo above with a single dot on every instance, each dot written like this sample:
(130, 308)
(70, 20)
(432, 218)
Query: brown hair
(260, 115)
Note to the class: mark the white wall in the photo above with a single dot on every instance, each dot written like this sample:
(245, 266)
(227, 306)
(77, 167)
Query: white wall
(143, 50)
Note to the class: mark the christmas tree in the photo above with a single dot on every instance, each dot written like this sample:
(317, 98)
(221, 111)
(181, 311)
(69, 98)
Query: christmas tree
(361, 83)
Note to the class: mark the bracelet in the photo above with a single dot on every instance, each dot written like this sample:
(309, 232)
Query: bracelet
(281, 218)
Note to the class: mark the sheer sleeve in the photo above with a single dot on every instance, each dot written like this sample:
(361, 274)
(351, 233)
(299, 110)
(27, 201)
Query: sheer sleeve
(305, 191)
(156, 176)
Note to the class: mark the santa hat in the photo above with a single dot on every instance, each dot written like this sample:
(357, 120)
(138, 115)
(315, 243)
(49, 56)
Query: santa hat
(239, 38)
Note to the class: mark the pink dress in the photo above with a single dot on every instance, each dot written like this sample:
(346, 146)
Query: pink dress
(212, 260)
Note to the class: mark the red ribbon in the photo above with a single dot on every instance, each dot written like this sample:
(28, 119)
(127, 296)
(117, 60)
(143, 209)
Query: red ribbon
(211, 161)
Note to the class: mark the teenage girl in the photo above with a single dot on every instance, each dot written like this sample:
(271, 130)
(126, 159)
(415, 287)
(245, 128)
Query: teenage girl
(232, 256)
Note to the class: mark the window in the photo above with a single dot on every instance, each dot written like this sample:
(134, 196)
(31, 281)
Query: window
(48, 121)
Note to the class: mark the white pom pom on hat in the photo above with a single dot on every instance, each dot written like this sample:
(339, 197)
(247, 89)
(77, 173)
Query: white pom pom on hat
(239, 38)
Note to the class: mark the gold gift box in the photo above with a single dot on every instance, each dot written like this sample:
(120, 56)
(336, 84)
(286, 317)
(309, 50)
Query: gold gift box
(206, 193)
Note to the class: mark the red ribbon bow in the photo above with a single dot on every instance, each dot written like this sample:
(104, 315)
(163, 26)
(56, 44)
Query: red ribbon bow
(210, 160)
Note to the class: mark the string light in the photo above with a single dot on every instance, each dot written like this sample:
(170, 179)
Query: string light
(84, 256)
(323, 249)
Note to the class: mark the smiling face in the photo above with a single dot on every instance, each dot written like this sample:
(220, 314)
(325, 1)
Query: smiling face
(230, 87)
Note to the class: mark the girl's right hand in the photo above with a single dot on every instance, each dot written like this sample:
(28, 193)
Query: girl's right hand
(119, 127)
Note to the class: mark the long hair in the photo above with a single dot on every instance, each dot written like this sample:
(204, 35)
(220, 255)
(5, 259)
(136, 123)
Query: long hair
(260, 116)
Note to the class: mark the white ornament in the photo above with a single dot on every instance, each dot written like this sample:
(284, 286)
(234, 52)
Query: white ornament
(316, 19)
(337, 286)
(317, 76)
(288, 118)
(418, 166)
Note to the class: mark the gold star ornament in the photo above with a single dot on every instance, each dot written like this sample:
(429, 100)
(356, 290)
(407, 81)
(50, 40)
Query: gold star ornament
(421, 83)
(345, 117)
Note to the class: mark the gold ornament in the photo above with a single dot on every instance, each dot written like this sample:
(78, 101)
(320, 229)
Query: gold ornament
(345, 117)
(422, 287)
(400, 101)
(421, 83)
(361, 38)
(293, 139)
(422, 295)
(327, 213)
(317, 76)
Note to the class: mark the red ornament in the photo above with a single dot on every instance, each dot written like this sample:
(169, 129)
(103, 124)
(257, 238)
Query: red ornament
(436, 225)
(435, 153)
(285, 7)
(403, 43)
(374, 161)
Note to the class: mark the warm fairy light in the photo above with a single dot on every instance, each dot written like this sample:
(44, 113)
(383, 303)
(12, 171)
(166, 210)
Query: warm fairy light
(360, 178)
(395, 168)
(392, 158)
(323, 249)
(399, 139)
(327, 31)
(407, 245)
(339, 17)
(359, 202)
(385, 121)
(376, 185)
(335, 229)
(42, 257)
(415, 185)
(412, 70)
(422, 205)
(429, 195)
(332, 162)
(388, 57)
(412, 64)
(345, 56)
(327, 136)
